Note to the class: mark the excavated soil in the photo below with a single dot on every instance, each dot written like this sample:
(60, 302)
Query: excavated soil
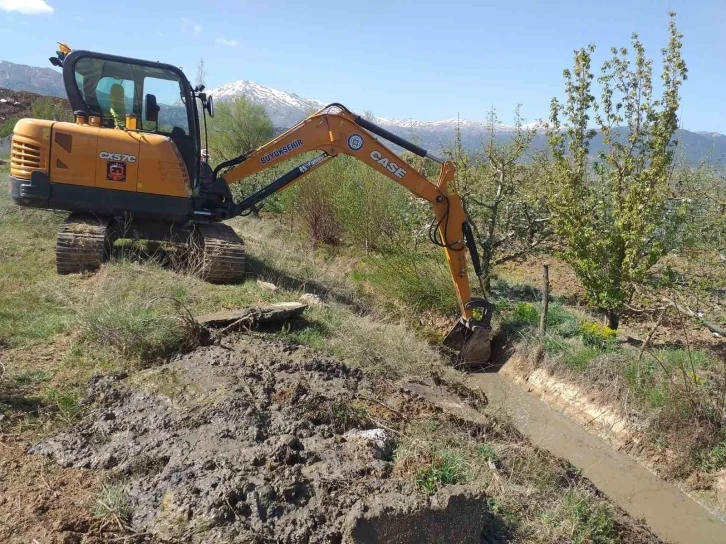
(18, 104)
(265, 442)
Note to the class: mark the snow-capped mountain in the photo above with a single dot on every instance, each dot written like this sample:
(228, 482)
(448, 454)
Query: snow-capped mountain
(284, 109)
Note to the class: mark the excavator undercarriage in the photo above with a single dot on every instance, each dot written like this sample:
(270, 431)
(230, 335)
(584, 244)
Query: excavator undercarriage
(212, 251)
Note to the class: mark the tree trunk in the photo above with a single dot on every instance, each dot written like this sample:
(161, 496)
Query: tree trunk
(613, 319)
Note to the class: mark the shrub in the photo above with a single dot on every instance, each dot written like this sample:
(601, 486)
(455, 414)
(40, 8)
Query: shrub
(315, 206)
(7, 126)
(140, 330)
(525, 313)
(421, 282)
(597, 335)
(371, 209)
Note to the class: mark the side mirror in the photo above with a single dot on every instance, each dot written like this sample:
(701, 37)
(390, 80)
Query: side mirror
(152, 109)
(210, 106)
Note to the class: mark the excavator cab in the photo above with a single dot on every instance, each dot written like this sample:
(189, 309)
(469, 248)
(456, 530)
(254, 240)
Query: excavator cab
(134, 94)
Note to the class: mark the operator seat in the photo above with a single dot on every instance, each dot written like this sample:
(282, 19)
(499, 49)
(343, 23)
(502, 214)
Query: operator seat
(118, 106)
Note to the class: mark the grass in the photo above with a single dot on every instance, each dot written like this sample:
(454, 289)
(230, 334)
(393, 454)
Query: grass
(139, 329)
(66, 402)
(445, 467)
(345, 416)
(419, 281)
(582, 519)
(113, 504)
(578, 358)
(534, 497)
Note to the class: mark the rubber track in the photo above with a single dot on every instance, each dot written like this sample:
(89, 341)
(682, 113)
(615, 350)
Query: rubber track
(224, 253)
(81, 243)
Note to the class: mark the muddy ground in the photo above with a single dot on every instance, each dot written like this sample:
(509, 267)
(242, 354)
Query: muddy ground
(262, 442)
(249, 441)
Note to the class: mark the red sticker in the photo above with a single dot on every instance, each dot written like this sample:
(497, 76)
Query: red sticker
(116, 171)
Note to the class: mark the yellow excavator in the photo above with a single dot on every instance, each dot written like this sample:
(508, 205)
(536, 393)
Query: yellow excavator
(131, 165)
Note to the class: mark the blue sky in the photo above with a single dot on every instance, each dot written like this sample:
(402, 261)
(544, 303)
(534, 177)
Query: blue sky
(421, 60)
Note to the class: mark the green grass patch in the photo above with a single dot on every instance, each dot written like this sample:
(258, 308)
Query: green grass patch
(113, 504)
(486, 451)
(525, 313)
(138, 330)
(562, 322)
(555, 345)
(444, 467)
(579, 357)
(683, 358)
(591, 522)
(31, 377)
(67, 402)
(714, 458)
(30, 311)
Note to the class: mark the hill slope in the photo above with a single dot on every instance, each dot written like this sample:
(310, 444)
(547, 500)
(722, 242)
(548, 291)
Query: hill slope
(19, 77)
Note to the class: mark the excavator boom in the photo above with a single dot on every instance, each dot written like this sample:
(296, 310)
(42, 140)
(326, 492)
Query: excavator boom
(335, 130)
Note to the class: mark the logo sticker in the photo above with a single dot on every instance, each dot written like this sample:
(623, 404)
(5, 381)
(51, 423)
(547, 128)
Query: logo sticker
(105, 155)
(116, 171)
(284, 150)
(355, 141)
(388, 164)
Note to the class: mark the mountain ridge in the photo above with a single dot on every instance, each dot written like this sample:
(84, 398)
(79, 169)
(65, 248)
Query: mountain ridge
(285, 109)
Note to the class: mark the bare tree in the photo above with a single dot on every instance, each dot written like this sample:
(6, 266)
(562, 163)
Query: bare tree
(503, 193)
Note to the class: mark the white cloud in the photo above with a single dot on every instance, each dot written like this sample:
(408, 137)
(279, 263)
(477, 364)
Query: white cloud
(227, 43)
(26, 7)
(188, 26)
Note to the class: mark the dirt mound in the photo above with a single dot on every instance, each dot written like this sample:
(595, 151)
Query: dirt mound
(263, 442)
(18, 104)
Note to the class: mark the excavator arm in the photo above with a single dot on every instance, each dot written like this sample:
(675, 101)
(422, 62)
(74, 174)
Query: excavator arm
(335, 130)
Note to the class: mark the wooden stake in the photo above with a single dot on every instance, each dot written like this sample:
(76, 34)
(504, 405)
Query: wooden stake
(545, 299)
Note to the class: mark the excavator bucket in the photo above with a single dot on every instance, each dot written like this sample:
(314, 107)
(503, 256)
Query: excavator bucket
(471, 340)
(472, 337)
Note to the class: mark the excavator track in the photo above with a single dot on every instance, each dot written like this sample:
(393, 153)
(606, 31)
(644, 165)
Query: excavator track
(82, 243)
(222, 255)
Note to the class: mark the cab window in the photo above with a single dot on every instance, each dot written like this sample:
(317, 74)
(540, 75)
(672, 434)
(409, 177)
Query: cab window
(172, 110)
(112, 90)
